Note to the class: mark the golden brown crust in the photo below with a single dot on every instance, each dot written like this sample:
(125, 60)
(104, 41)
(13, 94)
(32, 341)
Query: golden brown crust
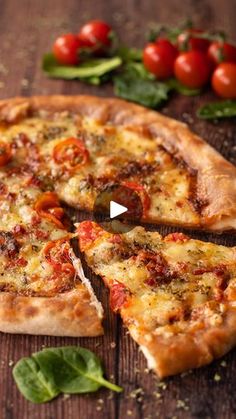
(169, 355)
(68, 314)
(216, 177)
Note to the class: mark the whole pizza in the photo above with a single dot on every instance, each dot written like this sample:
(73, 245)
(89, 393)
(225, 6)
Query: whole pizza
(176, 295)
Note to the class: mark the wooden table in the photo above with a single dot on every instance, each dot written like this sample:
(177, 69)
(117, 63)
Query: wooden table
(27, 29)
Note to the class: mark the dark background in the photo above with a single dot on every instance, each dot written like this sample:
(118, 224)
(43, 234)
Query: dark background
(27, 30)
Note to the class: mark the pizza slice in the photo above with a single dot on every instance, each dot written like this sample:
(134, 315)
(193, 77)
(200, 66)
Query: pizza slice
(42, 286)
(177, 296)
(79, 146)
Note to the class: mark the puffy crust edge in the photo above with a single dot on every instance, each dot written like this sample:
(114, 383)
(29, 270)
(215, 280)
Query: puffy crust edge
(216, 177)
(68, 314)
(170, 355)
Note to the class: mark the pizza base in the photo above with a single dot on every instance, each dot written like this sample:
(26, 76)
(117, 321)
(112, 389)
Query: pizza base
(216, 180)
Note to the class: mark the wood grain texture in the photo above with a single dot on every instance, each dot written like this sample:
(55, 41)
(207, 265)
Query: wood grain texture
(27, 29)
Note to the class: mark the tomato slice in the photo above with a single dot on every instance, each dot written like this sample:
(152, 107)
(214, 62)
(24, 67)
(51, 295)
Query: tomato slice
(71, 152)
(57, 255)
(118, 296)
(141, 191)
(5, 153)
(48, 206)
(88, 232)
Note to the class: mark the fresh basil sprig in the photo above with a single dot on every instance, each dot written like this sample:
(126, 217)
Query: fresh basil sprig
(92, 71)
(222, 109)
(71, 369)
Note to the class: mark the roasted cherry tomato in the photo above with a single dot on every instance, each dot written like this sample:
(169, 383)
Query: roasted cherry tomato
(57, 254)
(71, 152)
(88, 232)
(118, 296)
(159, 58)
(66, 49)
(193, 69)
(146, 202)
(96, 35)
(188, 40)
(224, 80)
(48, 206)
(5, 153)
(219, 52)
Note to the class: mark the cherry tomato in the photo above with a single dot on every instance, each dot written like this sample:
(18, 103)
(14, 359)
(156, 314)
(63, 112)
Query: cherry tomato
(71, 152)
(159, 59)
(66, 48)
(5, 153)
(219, 52)
(48, 206)
(224, 80)
(146, 202)
(57, 254)
(192, 69)
(169, 47)
(95, 34)
(88, 232)
(187, 42)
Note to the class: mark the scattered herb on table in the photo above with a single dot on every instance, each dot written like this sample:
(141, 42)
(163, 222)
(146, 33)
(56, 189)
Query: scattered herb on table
(71, 370)
(224, 109)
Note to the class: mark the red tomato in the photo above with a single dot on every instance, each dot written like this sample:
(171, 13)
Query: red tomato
(65, 49)
(187, 42)
(72, 152)
(224, 80)
(141, 191)
(219, 52)
(57, 254)
(48, 206)
(159, 59)
(170, 48)
(95, 34)
(176, 237)
(192, 69)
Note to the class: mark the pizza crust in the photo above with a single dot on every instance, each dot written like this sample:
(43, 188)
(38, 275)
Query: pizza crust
(68, 314)
(170, 355)
(216, 177)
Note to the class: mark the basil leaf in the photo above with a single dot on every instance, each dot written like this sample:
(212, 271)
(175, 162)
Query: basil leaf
(129, 54)
(84, 71)
(137, 85)
(223, 109)
(32, 383)
(183, 90)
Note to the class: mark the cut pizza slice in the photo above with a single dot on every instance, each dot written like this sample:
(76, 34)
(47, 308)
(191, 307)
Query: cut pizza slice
(79, 146)
(42, 286)
(177, 296)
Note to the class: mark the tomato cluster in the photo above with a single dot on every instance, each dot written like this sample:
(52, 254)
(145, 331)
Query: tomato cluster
(194, 61)
(95, 36)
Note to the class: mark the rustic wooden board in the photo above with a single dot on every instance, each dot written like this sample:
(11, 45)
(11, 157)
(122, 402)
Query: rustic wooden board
(27, 29)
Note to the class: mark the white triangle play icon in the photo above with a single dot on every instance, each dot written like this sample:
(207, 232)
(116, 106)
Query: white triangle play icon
(116, 209)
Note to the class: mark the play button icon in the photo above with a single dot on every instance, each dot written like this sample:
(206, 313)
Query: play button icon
(117, 208)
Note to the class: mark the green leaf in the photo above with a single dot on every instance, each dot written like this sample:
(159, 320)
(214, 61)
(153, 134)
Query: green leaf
(32, 383)
(87, 70)
(183, 90)
(129, 54)
(223, 109)
(143, 91)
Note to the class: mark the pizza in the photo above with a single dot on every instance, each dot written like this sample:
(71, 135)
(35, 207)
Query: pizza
(42, 286)
(176, 295)
(78, 146)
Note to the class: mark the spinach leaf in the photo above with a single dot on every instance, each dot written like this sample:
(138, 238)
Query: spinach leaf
(137, 85)
(51, 371)
(32, 383)
(223, 109)
(183, 90)
(73, 369)
(90, 71)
